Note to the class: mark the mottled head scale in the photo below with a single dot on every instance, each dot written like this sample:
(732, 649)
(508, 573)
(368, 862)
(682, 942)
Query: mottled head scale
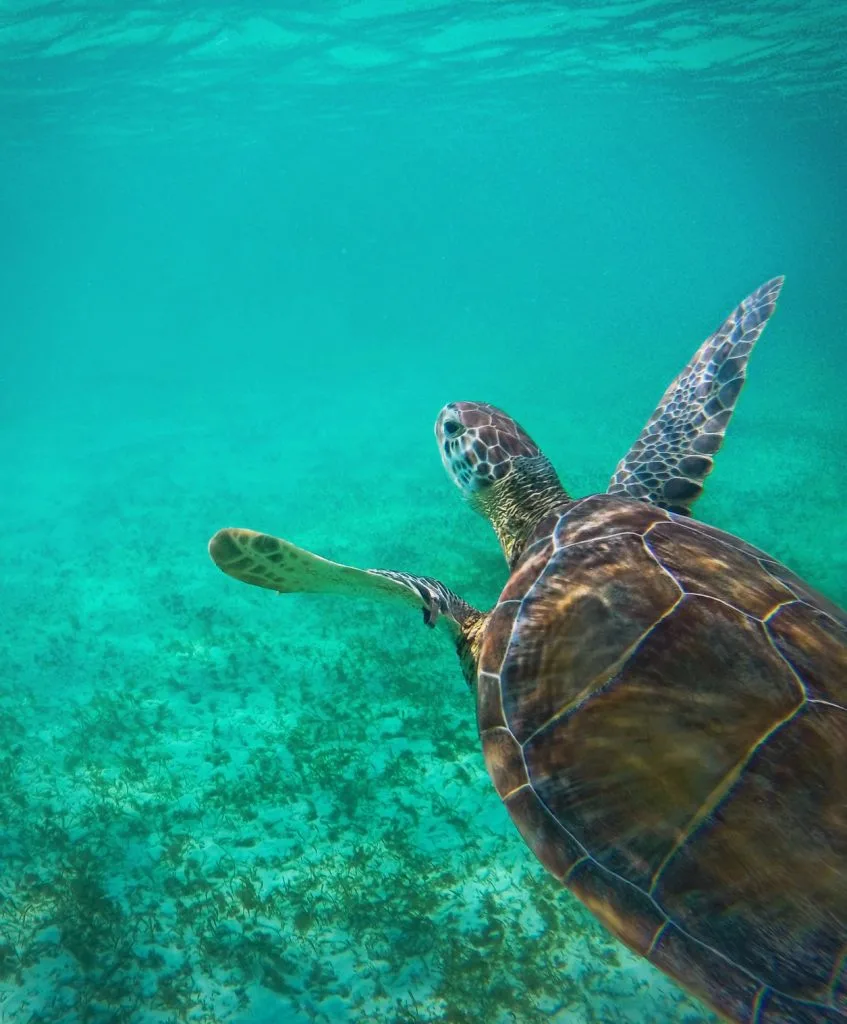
(480, 444)
(498, 468)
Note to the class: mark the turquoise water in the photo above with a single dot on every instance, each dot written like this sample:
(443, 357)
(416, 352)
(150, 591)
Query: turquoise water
(246, 255)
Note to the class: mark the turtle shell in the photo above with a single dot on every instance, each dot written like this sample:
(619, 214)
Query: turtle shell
(663, 711)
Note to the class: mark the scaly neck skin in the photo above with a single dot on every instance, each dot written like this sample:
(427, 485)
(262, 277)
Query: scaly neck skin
(516, 504)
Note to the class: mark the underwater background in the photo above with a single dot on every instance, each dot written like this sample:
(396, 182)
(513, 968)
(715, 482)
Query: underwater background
(246, 254)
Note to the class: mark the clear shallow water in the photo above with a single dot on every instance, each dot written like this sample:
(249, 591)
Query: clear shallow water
(245, 259)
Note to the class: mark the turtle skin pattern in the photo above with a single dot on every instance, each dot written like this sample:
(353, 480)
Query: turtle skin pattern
(663, 711)
(673, 455)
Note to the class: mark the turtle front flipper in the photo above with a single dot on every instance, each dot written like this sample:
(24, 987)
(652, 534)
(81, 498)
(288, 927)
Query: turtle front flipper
(277, 564)
(673, 455)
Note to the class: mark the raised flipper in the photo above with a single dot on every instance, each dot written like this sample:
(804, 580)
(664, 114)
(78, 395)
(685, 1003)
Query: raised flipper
(673, 455)
(277, 564)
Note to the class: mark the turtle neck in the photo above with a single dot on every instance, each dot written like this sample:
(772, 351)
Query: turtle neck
(516, 504)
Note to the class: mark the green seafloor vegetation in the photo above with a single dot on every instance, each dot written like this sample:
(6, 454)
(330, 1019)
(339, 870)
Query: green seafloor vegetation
(245, 257)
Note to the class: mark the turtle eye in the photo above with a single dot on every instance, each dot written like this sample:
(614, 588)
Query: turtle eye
(452, 428)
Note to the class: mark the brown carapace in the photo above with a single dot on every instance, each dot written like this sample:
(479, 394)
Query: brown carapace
(663, 711)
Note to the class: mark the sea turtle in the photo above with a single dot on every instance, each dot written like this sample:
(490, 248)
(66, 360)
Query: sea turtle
(663, 712)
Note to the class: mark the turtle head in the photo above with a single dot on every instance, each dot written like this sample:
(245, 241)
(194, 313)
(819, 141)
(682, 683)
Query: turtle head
(480, 445)
(499, 468)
